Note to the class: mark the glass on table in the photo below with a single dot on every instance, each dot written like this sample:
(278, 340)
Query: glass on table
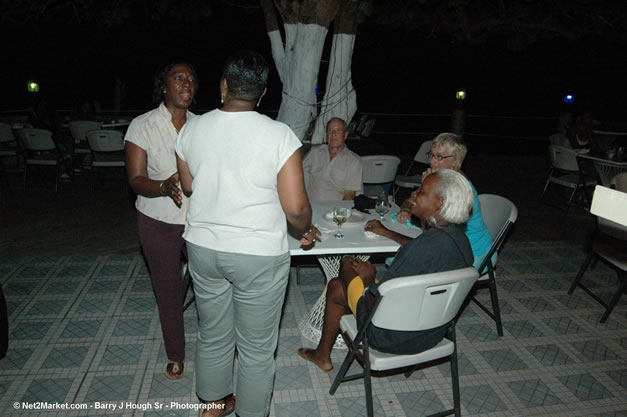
(340, 215)
(382, 205)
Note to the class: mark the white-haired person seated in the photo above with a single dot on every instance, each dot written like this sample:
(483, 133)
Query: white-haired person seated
(448, 152)
(444, 202)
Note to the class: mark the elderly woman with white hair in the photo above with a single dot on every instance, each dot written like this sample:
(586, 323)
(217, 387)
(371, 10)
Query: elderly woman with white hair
(444, 202)
(448, 152)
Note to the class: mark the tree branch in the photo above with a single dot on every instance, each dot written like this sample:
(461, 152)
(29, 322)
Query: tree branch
(269, 13)
(347, 18)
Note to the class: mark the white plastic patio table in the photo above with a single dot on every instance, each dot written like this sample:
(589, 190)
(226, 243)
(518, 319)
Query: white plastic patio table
(330, 251)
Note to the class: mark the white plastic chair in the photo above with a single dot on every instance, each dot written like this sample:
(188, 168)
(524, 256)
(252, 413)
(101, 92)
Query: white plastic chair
(609, 244)
(499, 214)
(107, 147)
(565, 171)
(8, 145)
(378, 169)
(412, 181)
(412, 303)
(41, 150)
(368, 127)
(78, 130)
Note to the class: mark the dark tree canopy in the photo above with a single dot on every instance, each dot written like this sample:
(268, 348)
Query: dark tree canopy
(521, 22)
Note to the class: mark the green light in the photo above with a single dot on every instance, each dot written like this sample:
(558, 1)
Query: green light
(460, 95)
(32, 86)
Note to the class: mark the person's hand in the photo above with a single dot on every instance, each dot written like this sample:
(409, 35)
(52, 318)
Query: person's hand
(366, 271)
(170, 188)
(427, 172)
(309, 237)
(375, 226)
(403, 216)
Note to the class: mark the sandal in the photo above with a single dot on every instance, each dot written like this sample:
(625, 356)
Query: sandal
(229, 406)
(174, 371)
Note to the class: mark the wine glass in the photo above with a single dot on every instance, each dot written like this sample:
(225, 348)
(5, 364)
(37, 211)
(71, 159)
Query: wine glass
(382, 205)
(339, 217)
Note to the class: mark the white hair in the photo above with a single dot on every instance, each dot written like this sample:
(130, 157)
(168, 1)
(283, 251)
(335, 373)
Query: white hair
(456, 146)
(457, 194)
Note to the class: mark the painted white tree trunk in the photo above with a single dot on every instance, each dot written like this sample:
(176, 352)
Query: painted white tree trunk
(340, 99)
(298, 63)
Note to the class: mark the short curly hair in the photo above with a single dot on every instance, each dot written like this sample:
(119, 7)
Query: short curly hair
(246, 73)
(161, 78)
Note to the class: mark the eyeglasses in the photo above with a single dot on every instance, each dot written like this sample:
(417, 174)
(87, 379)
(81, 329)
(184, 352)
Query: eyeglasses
(436, 156)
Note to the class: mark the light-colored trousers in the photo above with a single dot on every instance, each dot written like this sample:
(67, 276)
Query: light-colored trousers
(239, 300)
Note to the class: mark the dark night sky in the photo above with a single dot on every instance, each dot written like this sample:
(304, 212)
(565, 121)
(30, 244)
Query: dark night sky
(392, 71)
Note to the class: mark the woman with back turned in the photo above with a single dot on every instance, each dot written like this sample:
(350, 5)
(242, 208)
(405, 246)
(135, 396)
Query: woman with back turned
(245, 177)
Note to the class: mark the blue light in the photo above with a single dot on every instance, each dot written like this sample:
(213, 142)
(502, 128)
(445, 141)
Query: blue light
(569, 98)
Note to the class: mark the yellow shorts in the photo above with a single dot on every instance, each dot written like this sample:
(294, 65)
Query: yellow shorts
(354, 292)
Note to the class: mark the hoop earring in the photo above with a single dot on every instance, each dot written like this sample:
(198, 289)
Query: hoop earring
(222, 98)
(259, 101)
(432, 221)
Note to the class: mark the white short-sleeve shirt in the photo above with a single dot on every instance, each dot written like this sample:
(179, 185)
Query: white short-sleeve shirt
(234, 159)
(154, 133)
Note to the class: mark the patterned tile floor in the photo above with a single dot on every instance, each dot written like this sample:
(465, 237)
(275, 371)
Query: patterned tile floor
(84, 331)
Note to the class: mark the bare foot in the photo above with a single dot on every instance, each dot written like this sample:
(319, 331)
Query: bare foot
(325, 366)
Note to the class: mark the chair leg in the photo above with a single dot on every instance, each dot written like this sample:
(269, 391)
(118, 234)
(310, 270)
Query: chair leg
(582, 270)
(622, 279)
(348, 360)
(367, 381)
(570, 200)
(410, 372)
(546, 185)
(496, 309)
(56, 178)
(455, 375)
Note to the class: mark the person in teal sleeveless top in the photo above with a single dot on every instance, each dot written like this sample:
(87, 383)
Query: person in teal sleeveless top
(448, 152)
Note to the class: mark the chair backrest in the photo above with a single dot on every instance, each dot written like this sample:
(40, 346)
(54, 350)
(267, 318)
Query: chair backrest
(563, 158)
(620, 182)
(498, 214)
(361, 123)
(379, 169)
(423, 302)
(421, 155)
(105, 140)
(79, 128)
(368, 126)
(36, 139)
(6, 134)
(560, 139)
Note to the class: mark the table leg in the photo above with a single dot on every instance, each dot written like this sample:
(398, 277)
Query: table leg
(311, 324)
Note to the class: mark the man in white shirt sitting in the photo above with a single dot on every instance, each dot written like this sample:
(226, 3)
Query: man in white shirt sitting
(333, 171)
